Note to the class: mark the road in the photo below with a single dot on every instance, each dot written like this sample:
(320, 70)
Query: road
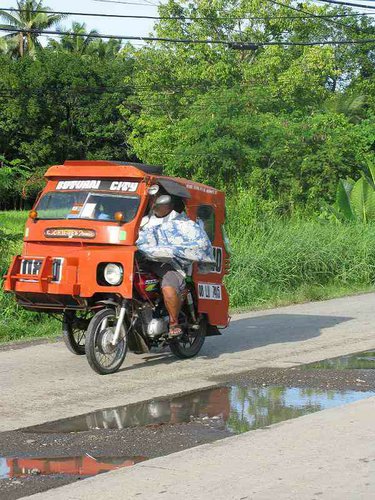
(329, 455)
(45, 382)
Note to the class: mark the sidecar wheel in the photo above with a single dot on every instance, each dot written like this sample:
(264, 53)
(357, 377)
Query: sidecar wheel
(103, 357)
(74, 332)
(190, 342)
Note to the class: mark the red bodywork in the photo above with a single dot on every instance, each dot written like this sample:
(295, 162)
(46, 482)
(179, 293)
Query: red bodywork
(81, 245)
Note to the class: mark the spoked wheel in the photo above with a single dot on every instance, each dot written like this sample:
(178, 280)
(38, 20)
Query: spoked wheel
(190, 342)
(75, 324)
(102, 355)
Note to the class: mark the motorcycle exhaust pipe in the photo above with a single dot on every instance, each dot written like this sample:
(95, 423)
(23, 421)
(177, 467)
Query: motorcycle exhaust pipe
(190, 303)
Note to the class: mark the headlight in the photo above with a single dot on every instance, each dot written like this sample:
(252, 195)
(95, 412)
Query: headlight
(113, 274)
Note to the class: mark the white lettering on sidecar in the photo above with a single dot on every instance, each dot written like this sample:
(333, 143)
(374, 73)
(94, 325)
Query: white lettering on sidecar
(79, 184)
(209, 291)
(124, 186)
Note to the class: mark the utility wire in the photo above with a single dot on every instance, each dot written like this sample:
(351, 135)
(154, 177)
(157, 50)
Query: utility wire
(229, 43)
(348, 4)
(187, 18)
(169, 89)
(127, 3)
(337, 23)
(327, 1)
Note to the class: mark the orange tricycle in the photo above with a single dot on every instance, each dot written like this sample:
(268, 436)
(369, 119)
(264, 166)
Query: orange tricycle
(80, 260)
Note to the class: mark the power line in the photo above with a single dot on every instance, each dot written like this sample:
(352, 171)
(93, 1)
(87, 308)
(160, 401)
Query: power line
(188, 18)
(348, 4)
(127, 3)
(155, 88)
(337, 23)
(229, 43)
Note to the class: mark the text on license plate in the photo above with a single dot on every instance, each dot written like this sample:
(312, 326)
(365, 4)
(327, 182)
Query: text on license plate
(209, 291)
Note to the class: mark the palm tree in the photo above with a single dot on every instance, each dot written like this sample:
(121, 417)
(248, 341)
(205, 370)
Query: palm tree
(76, 41)
(353, 106)
(27, 18)
(105, 50)
(8, 47)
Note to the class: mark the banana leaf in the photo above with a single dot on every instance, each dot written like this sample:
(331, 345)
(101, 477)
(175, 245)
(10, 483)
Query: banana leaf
(362, 200)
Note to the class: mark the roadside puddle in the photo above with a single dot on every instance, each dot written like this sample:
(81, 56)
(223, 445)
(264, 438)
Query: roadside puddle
(85, 465)
(234, 408)
(358, 361)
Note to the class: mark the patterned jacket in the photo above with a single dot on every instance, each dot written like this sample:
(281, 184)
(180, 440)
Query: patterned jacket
(179, 241)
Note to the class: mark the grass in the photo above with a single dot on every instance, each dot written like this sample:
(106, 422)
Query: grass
(16, 323)
(278, 262)
(274, 262)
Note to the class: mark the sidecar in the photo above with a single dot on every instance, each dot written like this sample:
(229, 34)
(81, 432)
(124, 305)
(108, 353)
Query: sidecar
(79, 242)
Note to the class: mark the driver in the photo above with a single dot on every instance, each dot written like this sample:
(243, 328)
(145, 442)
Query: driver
(172, 276)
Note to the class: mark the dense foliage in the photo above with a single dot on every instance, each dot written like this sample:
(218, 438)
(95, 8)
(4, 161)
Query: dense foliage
(286, 122)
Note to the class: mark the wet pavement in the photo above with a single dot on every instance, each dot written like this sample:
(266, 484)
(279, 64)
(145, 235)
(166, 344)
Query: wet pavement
(235, 409)
(357, 361)
(46, 456)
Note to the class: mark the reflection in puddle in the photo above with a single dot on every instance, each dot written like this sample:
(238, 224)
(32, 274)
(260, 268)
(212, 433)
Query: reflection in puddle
(235, 409)
(358, 361)
(80, 466)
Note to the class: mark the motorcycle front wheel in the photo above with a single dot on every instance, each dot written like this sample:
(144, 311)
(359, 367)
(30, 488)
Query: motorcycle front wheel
(102, 355)
(190, 342)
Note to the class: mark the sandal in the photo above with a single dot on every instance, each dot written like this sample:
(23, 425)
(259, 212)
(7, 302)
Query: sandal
(175, 331)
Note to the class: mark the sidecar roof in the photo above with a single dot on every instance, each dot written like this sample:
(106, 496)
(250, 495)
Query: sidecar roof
(86, 169)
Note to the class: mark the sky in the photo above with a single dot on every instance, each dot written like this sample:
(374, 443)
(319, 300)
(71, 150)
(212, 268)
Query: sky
(131, 27)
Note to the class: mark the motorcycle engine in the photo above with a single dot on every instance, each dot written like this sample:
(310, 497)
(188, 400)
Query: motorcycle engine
(153, 327)
(157, 326)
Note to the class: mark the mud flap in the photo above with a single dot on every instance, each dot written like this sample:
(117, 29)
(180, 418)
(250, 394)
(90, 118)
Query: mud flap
(137, 343)
(212, 330)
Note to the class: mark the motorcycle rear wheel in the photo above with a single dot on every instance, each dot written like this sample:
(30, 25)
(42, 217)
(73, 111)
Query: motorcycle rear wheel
(103, 357)
(190, 342)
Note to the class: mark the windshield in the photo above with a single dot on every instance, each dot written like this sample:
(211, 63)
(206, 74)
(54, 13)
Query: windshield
(86, 205)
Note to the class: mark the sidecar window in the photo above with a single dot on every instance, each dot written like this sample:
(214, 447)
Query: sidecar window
(86, 205)
(207, 215)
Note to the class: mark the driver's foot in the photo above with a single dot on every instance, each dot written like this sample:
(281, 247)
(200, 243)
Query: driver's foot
(175, 331)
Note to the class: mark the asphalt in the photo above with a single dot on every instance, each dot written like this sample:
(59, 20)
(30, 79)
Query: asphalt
(40, 383)
(76, 447)
(46, 382)
(327, 455)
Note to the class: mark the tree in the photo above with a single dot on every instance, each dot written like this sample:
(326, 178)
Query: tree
(8, 46)
(105, 50)
(286, 121)
(75, 42)
(28, 18)
(62, 106)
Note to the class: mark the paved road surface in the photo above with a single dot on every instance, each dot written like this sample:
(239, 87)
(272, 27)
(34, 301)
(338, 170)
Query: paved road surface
(45, 382)
(328, 455)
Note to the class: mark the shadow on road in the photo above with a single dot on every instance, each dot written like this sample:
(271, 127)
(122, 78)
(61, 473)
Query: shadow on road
(249, 333)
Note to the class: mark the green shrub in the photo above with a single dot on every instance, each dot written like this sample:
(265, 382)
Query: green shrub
(275, 260)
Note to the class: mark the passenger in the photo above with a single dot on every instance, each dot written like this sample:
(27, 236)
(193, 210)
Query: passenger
(172, 242)
(172, 279)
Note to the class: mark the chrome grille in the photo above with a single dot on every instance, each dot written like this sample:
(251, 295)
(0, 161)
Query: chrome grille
(33, 266)
(57, 269)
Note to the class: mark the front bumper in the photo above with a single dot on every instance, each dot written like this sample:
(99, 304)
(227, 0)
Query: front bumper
(72, 277)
